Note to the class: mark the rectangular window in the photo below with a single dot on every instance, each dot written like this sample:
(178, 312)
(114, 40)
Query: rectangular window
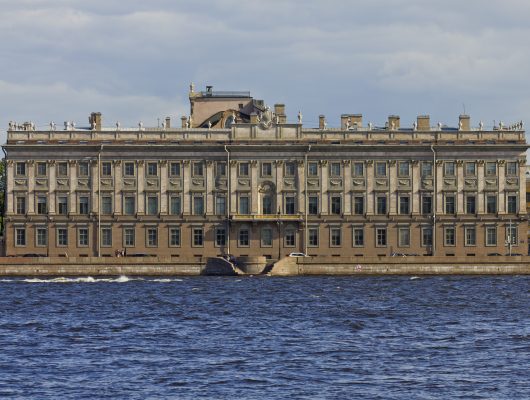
(404, 237)
(449, 168)
(244, 237)
(471, 204)
(198, 205)
(312, 203)
(426, 236)
(174, 169)
(220, 205)
(380, 169)
(152, 237)
(290, 238)
(471, 235)
(491, 169)
(220, 237)
(82, 237)
(266, 169)
(358, 205)
(511, 234)
(290, 169)
(404, 204)
(426, 204)
(83, 169)
(220, 169)
(244, 206)
(62, 237)
(42, 205)
(449, 236)
(42, 237)
(336, 206)
(511, 168)
(128, 237)
(152, 169)
(21, 205)
(152, 205)
(129, 205)
(358, 169)
(470, 169)
(174, 237)
(312, 169)
(358, 237)
(198, 237)
(267, 204)
(106, 237)
(335, 169)
(491, 204)
(106, 205)
(426, 169)
(62, 169)
(20, 236)
(62, 205)
(404, 169)
(20, 169)
(198, 169)
(174, 205)
(380, 205)
(41, 169)
(106, 168)
(266, 237)
(450, 206)
(511, 204)
(380, 237)
(491, 236)
(243, 169)
(128, 169)
(336, 239)
(313, 237)
(290, 205)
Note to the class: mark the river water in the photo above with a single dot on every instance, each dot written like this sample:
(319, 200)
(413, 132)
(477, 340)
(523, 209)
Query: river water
(266, 338)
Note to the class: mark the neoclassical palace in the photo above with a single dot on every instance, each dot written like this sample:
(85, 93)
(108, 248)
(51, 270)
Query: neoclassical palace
(235, 177)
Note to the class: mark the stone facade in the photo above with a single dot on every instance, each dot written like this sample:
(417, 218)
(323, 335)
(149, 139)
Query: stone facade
(266, 188)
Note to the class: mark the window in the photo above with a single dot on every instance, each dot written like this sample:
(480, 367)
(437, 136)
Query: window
(220, 205)
(266, 169)
(380, 205)
(511, 204)
(243, 169)
(290, 238)
(83, 169)
(336, 205)
(404, 204)
(471, 204)
(403, 236)
(20, 169)
(106, 237)
(220, 169)
(449, 236)
(62, 237)
(449, 168)
(198, 169)
(313, 237)
(358, 237)
(244, 208)
(470, 235)
(174, 237)
(152, 169)
(21, 205)
(62, 169)
(42, 205)
(267, 204)
(290, 208)
(380, 237)
(450, 206)
(82, 237)
(335, 237)
(358, 205)
(312, 169)
(290, 169)
(491, 169)
(403, 169)
(426, 169)
(426, 204)
(198, 205)
(511, 234)
(106, 205)
(62, 205)
(198, 237)
(128, 169)
(42, 237)
(106, 169)
(335, 169)
(20, 236)
(174, 205)
(152, 237)
(129, 205)
(152, 205)
(243, 238)
(380, 169)
(220, 237)
(358, 169)
(511, 168)
(128, 237)
(491, 204)
(491, 236)
(470, 169)
(312, 204)
(174, 169)
(41, 169)
(426, 236)
(266, 237)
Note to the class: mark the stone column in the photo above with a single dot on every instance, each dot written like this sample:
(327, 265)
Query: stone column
(118, 185)
(370, 177)
(232, 176)
(186, 196)
(501, 177)
(163, 187)
(522, 186)
(72, 206)
(95, 179)
(10, 206)
(392, 186)
(31, 187)
(459, 187)
(279, 185)
(347, 186)
(438, 170)
(480, 186)
(324, 182)
(416, 184)
(254, 197)
(209, 198)
(300, 186)
(140, 183)
(51, 186)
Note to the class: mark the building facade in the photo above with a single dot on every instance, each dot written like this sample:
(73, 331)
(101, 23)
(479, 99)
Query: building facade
(253, 184)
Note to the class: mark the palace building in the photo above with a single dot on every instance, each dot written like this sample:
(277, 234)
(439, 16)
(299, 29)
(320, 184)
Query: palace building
(237, 178)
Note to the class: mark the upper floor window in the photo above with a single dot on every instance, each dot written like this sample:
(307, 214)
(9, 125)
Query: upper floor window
(336, 206)
(290, 205)
(220, 169)
(266, 169)
(511, 168)
(491, 169)
(358, 169)
(128, 169)
(380, 169)
(471, 169)
(290, 169)
(243, 169)
(152, 169)
(174, 169)
(106, 168)
(449, 168)
(83, 169)
(312, 169)
(20, 169)
(198, 168)
(335, 169)
(41, 169)
(62, 169)
(426, 168)
(404, 168)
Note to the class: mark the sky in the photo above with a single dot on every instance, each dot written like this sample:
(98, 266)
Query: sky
(134, 60)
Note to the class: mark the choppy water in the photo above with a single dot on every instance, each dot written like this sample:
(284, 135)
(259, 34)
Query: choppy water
(266, 338)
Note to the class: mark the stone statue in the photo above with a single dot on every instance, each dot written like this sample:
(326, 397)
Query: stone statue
(93, 125)
(348, 123)
(501, 125)
(393, 125)
(234, 116)
(299, 117)
(192, 87)
(73, 125)
(460, 125)
(439, 126)
(480, 125)
(370, 126)
(66, 125)
(10, 125)
(190, 122)
(325, 124)
(118, 125)
(522, 125)
(209, 124)
(140, 126)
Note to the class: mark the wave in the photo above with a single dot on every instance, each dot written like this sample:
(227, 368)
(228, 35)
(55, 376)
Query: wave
(90, 279)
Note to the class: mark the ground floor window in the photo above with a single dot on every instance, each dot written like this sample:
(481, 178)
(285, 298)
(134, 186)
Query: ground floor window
(20, 236)
(82, 237)
(335, 237)
(106, 237)
(152, 237)
(449, 236)
(511, 234)
(404, 237)
(128, 237)
(290, 238)
(220, 237)
(174, 237)
(471, 235)
(313, 237)
(42, 236)
(426, 236)
(198, 237)
(244, 237)
(358, 237)
(266, 237)
(380, 237)
(491, 236)
(62, 237)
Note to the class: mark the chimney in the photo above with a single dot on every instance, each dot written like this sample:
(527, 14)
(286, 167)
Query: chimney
(279, 110)
(168, 122)
(393, 122)
(95, 121)
(355, 121)
(321, 122)
(184, 120)
(464, 123)
(424, 123)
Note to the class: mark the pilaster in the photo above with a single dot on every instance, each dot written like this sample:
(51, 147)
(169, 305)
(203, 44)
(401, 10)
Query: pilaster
(501, 176)
(438, 170)
(279, 184)
(95, 183)
(480, 186)
(232, 176)
(10, 207)
(346, 167)
(324, 182)
(186, 196)
(300, 186)
(140, 183)
(163, 187)
(416, 184)
(51, 186)
(72, 170)
(370, 177)
(392, 186)
(31, 187)
(209, 198)
(460, 187)
(118, 185)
